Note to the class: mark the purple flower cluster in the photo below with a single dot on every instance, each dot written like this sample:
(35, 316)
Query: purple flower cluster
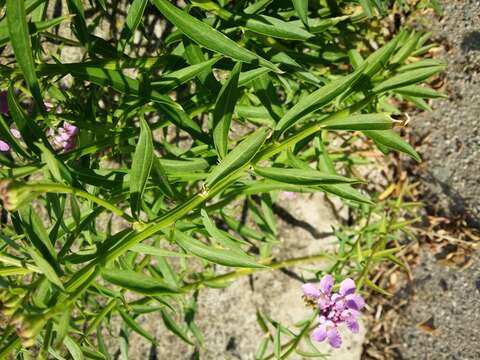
(65, 138)
(334, 308)
(4, 146)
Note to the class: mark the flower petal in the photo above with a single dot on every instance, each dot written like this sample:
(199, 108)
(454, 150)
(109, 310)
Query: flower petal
(320, 333)
(4, 146)
(324, 302)
(16, 134)
(353, 325)
(347, 287)
(334, 338)
(355, 301)
(326, 284)
(310, 291)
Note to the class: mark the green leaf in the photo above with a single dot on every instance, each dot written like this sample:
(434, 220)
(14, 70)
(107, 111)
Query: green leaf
(174, 328)
(208, 37)
(425, 63)
(215, 255)
(155, 251)
(29, 130)
(44, 266)
(359, 122)
(407, 78)
(134, 16)
(274, 27)
(124, 84)
(376, 288)
(138, 282)
(222, 114)
(6, 134)
(73, 348)
(20, 41)
(218, 236)
(176, 78)
(301, 8)
(420, 91)
(406, 50)
(34, 28)
(141, 166)
(57, 168)
(132, 324)
(317, 100)
(378, 59)
(302, 176)
(391, 140)
(238, 157)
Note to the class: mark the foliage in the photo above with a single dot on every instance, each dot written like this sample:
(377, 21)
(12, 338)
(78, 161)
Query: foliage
(237, 101)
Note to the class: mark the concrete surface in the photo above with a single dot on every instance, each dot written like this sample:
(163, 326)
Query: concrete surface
(451, 138)
(227, 318)
(441, 319)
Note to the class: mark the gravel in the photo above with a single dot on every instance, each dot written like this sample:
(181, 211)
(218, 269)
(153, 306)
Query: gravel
(451, 141)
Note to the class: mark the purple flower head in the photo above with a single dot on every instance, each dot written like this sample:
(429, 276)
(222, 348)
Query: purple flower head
(65, 138)
(4, 147)
(334, 309)
(16, 134)
(319, 297)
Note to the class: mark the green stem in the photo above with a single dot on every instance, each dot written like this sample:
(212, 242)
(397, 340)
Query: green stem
(243, 272)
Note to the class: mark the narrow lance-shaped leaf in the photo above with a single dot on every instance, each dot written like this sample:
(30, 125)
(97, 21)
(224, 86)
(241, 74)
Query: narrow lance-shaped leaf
(407, 78)
(44, 266)
(208, 37)
(302, 176)
(238, 157)
(176, 78)
(73, 348)
(132, 324)
(420, 91)
(141, 166)
(215, 255)
(20, 41)
(138, 282)
(174, 328)
(359, 122)
(134, 16)
(261, 24)
(318, 99)
(378, 59)
(34, 28)
(222, 114)
(301, 8)
(391, 140)
(217, 235)
(325, 165)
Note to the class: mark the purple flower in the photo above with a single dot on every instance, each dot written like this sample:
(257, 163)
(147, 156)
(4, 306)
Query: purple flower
(65, 138)
(4, 147)
(334, 309)
(16, 134)
(319, 297)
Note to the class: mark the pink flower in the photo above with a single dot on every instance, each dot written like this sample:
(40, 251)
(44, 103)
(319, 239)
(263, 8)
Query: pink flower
(65, 138)
(334, 309)
(16, 134)
(4, 147)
